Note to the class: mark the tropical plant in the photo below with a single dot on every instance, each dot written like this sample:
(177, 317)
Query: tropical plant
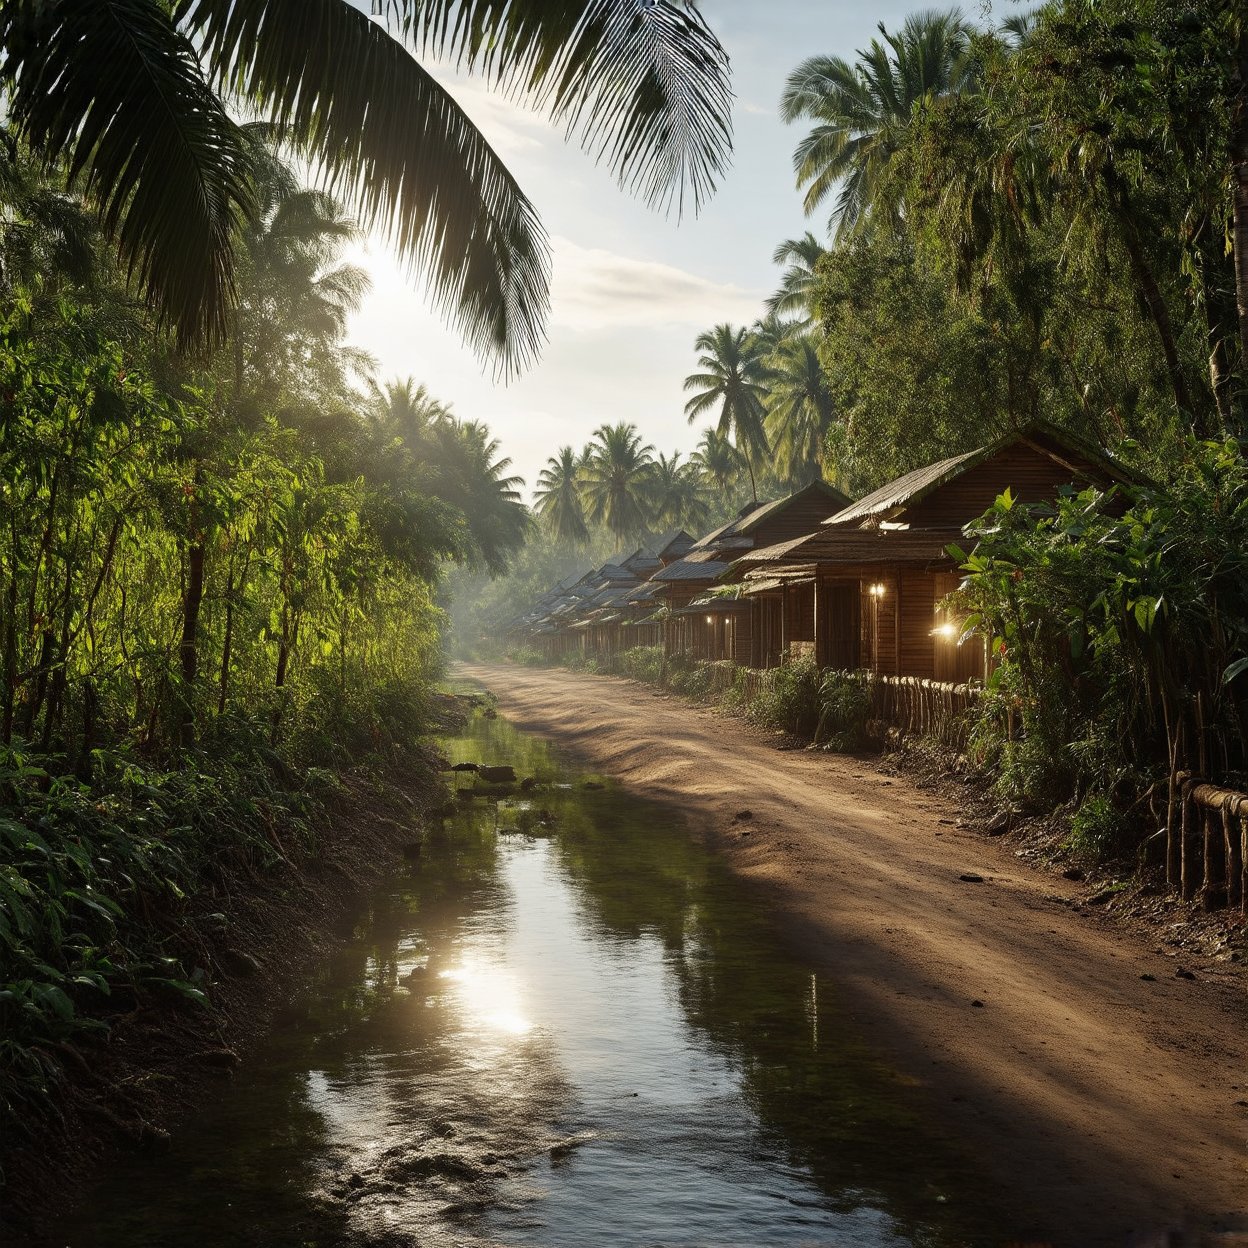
(617, 476)
(717, 460)
(800, 411)
(795, 296)
(733, 378)
(862, 112)
(131, 97)
(558, 498)
(678, 494)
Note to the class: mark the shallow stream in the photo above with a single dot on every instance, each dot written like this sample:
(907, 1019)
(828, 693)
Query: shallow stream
(565, 1023)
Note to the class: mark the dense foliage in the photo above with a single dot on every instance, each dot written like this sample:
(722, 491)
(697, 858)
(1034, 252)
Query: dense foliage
(1119, 624)
(217, 581)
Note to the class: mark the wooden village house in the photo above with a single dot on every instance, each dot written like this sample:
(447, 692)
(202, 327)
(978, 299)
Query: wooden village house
(864, 589)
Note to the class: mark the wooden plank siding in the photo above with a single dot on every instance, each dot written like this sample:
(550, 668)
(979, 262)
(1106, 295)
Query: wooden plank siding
(915, 601)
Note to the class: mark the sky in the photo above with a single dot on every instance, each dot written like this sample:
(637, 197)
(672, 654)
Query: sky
(632, 288)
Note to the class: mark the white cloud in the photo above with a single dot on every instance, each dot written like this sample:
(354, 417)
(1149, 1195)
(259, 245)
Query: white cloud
(596, 289)
(507, 126)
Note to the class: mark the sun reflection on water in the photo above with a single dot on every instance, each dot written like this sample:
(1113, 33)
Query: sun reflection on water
(489, 996)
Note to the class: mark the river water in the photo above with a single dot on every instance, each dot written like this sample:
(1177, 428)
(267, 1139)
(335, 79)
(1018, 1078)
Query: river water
(565, 1024)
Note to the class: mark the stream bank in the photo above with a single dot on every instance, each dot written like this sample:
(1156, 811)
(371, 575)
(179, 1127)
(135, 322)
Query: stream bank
(563, 1022)
(158, 1064)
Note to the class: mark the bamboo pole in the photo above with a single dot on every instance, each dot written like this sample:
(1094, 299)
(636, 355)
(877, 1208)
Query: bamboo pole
(1187, 880)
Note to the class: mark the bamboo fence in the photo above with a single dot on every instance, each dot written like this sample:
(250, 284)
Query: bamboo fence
(1207, 842)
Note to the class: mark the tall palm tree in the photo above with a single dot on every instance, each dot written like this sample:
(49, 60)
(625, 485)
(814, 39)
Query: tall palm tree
(795, 296)
(617, 477)
(717, 460)
(406, 409)
(732, 377)
(131, 96)
(800, 411)
(862, 112)
(558, 498)
(678, 494)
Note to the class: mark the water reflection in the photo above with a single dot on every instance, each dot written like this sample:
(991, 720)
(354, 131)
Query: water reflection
(567, 1025)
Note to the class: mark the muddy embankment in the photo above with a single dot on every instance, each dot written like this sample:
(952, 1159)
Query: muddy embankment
(1106, 1094)
(160, 1061)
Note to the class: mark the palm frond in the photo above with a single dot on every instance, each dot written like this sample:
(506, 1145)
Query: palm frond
(397, 147)
(112, 90)
(643, 86)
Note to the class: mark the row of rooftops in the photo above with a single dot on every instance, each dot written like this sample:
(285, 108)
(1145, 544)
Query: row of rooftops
(904, 521)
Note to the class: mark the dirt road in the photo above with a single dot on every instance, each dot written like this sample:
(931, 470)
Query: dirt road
(1104, 1106)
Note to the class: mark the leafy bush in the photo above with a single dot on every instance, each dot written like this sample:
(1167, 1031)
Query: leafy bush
(103, 879)
(642, 663)
(844, 708)
(690, 677)
(1117, 623)
(527, 656)
(1099, 829)
(790, 701)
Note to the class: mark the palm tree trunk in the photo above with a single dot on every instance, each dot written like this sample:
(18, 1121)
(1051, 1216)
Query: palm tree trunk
(1149, 289)
(192, 600)
(1239, 185)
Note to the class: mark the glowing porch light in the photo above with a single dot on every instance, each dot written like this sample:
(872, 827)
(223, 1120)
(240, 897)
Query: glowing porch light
(877, 590)
(948, 631)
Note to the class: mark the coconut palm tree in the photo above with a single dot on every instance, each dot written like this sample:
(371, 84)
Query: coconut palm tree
(558, 498)
(678, 494)
(405, 409)
(130, 97)
(770, 332)
(800, 411)
(717, 461)
(795, 296)
(617, 476)
(863, 111)
(732, 377)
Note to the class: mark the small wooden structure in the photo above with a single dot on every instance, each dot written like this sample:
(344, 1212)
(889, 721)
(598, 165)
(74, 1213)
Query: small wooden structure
(711, 622)
(864, 589)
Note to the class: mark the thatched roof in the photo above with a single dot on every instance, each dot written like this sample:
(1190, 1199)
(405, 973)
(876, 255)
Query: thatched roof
(856, 546)
(738, 531)
(913, 487)
(671, 545)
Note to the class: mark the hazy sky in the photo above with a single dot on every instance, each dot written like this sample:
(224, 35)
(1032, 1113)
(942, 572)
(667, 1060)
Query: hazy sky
(631, 288)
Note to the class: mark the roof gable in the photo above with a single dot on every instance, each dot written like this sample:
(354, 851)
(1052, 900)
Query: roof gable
(1033, 461)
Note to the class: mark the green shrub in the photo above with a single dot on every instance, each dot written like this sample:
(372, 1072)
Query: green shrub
(527, 656)
(1099, 829)
(844, 709)
(790, 701)
(642, 663)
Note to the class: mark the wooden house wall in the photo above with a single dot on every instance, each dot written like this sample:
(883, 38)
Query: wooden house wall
(1030, 475)
(799, 608)
(768, 626)
(837, 624)
(742, 651)
(878, 616)
(916, 596)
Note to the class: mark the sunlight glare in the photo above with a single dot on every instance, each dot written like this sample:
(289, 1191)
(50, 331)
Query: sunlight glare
(489, 996)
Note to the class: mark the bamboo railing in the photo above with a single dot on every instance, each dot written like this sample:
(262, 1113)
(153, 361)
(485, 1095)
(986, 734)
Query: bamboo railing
(1207, 842)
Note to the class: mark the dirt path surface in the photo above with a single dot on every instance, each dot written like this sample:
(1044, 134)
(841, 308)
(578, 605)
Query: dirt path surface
(1104, 1106)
